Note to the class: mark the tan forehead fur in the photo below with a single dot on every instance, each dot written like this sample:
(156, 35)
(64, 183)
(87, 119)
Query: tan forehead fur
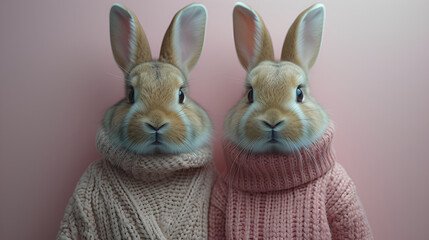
(157, 82)
(273, 81)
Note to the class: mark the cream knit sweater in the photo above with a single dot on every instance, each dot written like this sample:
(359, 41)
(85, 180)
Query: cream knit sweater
(130, 196)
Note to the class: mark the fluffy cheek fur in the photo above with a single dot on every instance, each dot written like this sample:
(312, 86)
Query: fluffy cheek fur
(195, 119)
(303, 125)
(254, 129)
(127, 129)
(200, 126)
(135, 132)
(186, 130)
(316, 120)
(232, 121)
(173, 133)
(113, 121)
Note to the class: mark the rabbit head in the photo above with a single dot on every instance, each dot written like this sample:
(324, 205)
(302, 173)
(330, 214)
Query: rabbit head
(277, 112)
(157, 115)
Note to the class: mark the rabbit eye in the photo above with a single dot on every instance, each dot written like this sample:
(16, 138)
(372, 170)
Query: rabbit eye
(181, 96)
(130, 95)
(299, 95)
(250, 95)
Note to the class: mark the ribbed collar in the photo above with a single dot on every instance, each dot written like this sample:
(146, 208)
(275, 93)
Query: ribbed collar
(277, 171)
(150, 167)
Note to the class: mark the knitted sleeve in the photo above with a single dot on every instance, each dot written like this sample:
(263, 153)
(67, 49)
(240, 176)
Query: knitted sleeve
(78, 221)
(346, 216)
(217, 210)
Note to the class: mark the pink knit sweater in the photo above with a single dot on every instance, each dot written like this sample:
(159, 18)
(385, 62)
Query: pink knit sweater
(304, 195)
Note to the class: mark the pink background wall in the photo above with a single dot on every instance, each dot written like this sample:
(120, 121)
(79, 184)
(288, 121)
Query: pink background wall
(57, 77)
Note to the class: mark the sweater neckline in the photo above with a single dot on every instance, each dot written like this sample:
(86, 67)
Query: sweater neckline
(264, 172)
(150, 167)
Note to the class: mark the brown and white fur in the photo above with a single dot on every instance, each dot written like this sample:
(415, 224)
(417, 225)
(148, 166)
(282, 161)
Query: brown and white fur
(152, 118)
(277, 120)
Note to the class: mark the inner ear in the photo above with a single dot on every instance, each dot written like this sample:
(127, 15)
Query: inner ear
(304, 38)
(128, 40)
(189, 34)
(311, 31)
(246, 30)
(184, 39)
(252, 39)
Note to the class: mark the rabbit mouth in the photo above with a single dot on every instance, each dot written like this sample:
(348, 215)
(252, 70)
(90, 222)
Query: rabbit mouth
(157, 139)
(273, 137)
(156, 142)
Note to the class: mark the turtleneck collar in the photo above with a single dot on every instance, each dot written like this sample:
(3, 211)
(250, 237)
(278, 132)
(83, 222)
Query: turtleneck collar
(278, 171)
(150, 167)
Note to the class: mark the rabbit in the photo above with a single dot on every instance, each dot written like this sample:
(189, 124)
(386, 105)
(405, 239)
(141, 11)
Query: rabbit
(282, 180)
(157, 114)
(155, 176)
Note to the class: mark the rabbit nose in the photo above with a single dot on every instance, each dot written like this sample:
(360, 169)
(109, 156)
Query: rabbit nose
(155, 128)
(271, 125)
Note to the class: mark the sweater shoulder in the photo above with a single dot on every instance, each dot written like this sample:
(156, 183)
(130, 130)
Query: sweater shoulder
(339, 184)
(338, 174)
(78, 220)
(90, 179)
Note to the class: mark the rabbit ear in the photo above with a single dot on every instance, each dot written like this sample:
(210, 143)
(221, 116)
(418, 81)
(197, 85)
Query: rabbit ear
(252, 39)
(303, 40)
(184, 39)
(129, 43)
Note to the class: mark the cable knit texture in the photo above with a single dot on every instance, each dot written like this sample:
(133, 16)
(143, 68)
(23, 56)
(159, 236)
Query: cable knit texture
(302, 195)
(130, 196)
